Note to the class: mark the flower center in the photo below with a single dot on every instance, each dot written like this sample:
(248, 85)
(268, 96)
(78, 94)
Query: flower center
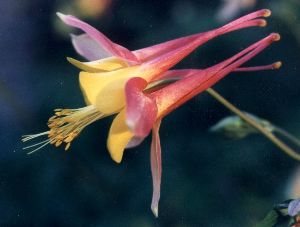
(65, 126)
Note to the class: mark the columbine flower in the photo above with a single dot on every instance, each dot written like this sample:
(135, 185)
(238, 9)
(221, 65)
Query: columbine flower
(103, 80)
(125, 82)
(144, 110)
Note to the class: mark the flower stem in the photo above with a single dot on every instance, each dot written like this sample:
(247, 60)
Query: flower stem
(285, 148)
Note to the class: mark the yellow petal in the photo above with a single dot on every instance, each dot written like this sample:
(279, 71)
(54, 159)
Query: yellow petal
(103, 65)
(111, 98)
(106, 90)
(118, 137)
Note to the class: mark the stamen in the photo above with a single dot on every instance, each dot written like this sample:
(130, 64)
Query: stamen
(46, 143)
(34, 145)
(65, 126)
(29, 137)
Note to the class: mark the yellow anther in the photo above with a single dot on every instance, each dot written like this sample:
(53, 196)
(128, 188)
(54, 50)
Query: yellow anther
(58, 143)
(67, 146)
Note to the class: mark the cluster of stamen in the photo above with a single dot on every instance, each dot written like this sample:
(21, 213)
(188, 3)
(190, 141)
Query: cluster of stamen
(65, 126)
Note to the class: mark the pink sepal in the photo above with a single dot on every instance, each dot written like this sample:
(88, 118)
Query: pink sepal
(88, 47)
(135, 141)
(156, 167)
(110, 47)
(141, 109)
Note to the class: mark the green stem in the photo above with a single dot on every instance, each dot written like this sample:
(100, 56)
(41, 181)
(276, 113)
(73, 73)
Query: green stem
(285, 148)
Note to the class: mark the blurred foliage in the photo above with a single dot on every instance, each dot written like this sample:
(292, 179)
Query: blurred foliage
(283, 214)
(207, 180)
(236, 128)
(269, 221)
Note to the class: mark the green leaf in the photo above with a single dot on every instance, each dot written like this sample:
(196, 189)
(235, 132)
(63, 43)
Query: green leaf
(269, 221)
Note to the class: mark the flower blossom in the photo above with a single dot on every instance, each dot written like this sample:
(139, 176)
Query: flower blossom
(135, 122)
(131, 85)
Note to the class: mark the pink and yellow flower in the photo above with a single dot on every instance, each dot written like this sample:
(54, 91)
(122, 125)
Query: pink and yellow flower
(128, 83)
(103, 81)
(144, 111)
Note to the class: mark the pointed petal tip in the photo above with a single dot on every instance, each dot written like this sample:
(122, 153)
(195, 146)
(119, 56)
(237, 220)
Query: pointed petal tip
(115, 153)
(69, 59)
(66, 18)
(61, 15)
(155, 211)
(75, 62)
(116, 159)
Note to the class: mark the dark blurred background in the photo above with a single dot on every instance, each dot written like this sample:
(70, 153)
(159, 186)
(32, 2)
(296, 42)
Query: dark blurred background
(208, 180)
